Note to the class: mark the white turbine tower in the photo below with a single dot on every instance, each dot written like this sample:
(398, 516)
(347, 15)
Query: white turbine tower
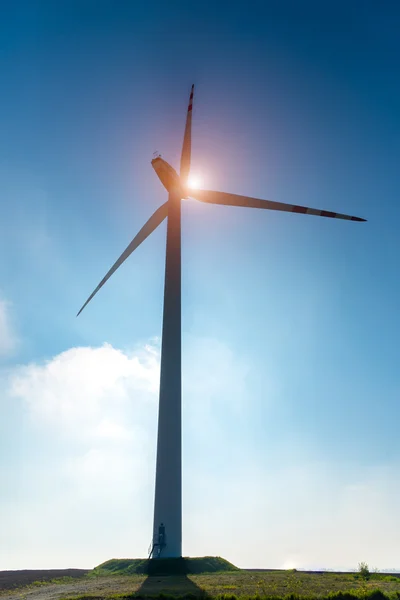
(167, 528)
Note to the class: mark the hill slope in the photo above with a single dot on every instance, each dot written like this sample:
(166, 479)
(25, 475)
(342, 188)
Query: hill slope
(164, 566)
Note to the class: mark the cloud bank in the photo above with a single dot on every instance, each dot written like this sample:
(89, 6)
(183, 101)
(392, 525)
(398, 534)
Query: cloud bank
(78, 463)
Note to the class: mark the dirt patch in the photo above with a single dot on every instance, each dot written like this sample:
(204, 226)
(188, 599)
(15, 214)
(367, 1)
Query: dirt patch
(100, 587)
(15, 579)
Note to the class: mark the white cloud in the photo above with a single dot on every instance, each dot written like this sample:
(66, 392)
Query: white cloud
(8, 337)
(82, 488)
(89, 418)
(87, 392)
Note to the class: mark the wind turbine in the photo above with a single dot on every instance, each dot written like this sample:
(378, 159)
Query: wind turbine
(167, 528)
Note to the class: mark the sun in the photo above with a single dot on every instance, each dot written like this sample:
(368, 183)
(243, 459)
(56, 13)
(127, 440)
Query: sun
(194, 182)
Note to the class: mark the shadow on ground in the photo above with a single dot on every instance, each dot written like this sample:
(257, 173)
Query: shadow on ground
(171, 585)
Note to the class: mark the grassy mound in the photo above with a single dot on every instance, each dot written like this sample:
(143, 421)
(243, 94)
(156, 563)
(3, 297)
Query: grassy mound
(164, 566)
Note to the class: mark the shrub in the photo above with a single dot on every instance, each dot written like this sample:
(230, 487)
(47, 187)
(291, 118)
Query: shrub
(363, 570)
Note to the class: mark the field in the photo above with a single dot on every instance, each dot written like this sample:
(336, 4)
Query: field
(228, 585)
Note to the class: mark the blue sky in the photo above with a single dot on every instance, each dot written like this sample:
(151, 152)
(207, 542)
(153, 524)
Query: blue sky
(290, 323)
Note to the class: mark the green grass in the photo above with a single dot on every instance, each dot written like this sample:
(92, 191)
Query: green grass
(58, 580)
(120, 566)
(211, 578)
(281, 584)
(164, 566)
(372, 595)
(241, 585)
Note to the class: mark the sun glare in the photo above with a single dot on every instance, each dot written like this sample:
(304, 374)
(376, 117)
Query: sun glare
(194, 182)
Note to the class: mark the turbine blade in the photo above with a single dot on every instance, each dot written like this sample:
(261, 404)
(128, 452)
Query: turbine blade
(235, 200)
(187, 142)
(154, 221)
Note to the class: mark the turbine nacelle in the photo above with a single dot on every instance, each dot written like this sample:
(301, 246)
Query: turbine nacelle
(168, 176)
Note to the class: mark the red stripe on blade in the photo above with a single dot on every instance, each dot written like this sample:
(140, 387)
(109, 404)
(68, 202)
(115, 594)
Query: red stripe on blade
(189, 107)
(327, 213)
(299, 209)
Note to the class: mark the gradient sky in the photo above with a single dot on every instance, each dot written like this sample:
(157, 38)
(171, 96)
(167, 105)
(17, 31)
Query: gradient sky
(291, 324)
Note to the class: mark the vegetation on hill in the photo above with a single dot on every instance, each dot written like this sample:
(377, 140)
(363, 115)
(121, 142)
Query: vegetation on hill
(164, 566)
